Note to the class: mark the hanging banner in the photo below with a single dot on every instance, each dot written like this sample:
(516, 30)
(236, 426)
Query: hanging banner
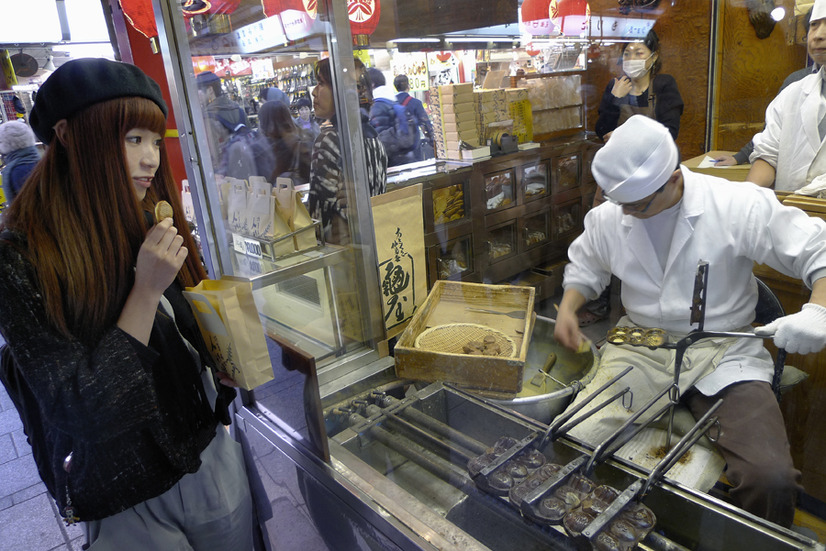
(413, 65)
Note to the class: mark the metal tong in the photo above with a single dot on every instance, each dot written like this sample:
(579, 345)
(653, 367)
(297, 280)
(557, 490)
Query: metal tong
(639, 489)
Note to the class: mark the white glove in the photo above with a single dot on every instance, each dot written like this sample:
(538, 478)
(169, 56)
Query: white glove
(800, 333)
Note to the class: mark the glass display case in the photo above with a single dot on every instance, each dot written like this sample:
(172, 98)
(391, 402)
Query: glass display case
(372, 460)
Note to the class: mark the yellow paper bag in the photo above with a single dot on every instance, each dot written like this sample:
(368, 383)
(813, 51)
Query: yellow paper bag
(289, 201)
(229, 322)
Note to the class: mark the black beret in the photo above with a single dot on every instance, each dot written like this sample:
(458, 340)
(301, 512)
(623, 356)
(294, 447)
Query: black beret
(80, 83)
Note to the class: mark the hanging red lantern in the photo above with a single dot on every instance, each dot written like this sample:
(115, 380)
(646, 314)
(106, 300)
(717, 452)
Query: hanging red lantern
(532, 50)
(535, 18)
(443, 56)
(271, 7)
(141, 16)
(569, 16)
(364, 18)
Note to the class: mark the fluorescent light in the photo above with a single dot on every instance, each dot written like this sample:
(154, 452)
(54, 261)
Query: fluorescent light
(413, 40)
(478, 39)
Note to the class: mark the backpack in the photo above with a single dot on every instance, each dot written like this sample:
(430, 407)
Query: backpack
(404, 133)
(422, 128)
(239, 154)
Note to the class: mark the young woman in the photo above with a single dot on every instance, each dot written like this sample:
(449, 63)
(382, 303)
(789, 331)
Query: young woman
(327, 190)
(110, 376)
(285, 147)
(641, 90)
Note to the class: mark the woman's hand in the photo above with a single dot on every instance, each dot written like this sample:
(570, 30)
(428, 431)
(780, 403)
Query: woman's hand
(160, 258)
(622, 86)
(725, 160)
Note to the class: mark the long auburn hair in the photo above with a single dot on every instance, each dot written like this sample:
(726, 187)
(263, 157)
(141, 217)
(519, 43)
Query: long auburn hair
(83, 222)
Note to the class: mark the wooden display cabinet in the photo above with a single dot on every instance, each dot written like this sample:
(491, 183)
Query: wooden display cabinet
(501, 217)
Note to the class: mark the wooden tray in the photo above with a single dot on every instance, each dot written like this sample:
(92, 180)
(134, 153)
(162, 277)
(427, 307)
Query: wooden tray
(448, 303)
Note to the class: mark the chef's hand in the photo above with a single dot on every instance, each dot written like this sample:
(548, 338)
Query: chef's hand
(622, 86)
(800, 333)
(566, 330)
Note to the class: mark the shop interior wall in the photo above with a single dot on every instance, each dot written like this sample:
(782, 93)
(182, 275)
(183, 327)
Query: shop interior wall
(684, 32)
(750, 71)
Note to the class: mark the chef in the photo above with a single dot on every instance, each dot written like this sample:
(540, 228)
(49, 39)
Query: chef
(658, 223)
(790, 151)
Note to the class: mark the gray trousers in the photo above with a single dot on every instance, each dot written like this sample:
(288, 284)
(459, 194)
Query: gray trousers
(754, 443)
(207, 510)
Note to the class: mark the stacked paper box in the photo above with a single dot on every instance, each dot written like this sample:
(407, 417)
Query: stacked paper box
(457, 118)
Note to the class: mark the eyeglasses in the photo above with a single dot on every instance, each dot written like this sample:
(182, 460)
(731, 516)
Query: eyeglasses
(637, 206)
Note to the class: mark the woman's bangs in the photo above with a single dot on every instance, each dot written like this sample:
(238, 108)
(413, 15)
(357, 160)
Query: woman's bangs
(144, 113)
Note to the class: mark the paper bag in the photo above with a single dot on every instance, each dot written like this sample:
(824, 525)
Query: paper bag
(289, 201)
(229, 322)
(237, 216)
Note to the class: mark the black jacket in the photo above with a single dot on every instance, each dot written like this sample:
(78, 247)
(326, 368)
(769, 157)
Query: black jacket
(135, 418)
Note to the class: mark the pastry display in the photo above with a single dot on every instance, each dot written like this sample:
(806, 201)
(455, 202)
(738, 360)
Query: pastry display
(638, 336)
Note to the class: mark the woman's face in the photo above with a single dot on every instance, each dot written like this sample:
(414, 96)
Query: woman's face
(143, 156)
(304, 113)
(638, 50)
(325, 107)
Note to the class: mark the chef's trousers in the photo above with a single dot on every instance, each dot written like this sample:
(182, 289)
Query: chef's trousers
(206, 510)
(755, 446)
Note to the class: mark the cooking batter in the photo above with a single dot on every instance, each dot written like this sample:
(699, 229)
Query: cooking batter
(657, 225)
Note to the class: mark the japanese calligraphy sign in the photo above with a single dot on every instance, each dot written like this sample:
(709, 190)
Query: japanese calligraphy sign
(398, 221)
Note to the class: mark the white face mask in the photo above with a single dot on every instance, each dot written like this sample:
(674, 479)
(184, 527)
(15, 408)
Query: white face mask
(635, 68)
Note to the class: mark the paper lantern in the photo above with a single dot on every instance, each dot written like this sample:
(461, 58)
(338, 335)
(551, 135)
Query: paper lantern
(569, 16)
(532, 50)
(535, 17)
(364, 18)
(141, 16)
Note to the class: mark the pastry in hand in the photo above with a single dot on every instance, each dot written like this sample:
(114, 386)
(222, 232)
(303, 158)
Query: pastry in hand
(163, 210)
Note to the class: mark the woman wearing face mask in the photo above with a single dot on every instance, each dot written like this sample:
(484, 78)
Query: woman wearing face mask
(641, 90)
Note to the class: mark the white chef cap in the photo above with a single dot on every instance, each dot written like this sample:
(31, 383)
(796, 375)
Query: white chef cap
(818, 10)
(638, 159)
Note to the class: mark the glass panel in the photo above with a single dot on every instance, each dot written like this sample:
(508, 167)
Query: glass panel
(537, 230)
(454, 259)
(566, 172)
(449, 204)
(534, 181)
(501, 242)
(500, 190)
(567, 218)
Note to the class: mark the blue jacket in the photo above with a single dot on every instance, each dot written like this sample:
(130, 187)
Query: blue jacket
(19, 165)
(383, 116)
(417, 108)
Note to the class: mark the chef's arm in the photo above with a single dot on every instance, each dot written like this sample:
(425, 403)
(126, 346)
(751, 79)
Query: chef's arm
(566, 329)
(761, 173)
(818, 295)
(803, 332)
